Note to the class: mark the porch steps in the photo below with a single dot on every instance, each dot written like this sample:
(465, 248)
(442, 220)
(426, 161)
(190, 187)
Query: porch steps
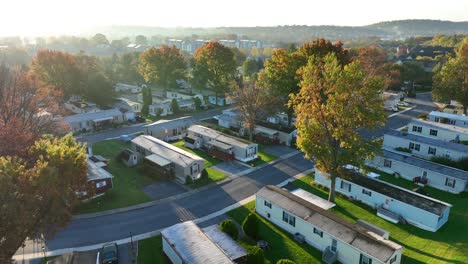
(329, 256)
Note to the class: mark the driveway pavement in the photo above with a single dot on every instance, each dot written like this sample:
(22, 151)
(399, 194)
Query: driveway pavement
(278, 150)
(164, 189)
(231, 167)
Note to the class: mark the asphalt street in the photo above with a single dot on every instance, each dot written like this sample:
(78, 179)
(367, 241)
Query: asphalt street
(82, 232)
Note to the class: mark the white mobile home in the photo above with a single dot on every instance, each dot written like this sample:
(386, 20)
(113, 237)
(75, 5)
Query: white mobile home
(438, 130)
(211, 139)
(424, 147)
(169, 130)
(160, 109)
(95, 120)
(127, 88)
(451, 119)
(220, 100)
(421, 171)
(393, 203)
(168, 158)
(338, 239)
(187, 243)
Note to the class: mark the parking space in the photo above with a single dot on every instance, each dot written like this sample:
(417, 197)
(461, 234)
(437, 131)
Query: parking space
(231, 167)
(164, 189)
(277, 150)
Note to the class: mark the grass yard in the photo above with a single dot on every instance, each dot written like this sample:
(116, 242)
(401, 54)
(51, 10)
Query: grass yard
(282, 244)
(150, 251)
(448, 245)
(213, 175)
(128, 182)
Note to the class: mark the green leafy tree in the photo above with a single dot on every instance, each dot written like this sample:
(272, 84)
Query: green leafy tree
(334, 102)
(250, 226)
(141, 40)
(451, 82)
(198, 103)
(285, 261)
(39, 194)
(239, 56)
(147, 100)
(99, 39)
(127, 68)
(249, 67)
(175, 106)
(162, 66)
(214, 64)
(230, 228)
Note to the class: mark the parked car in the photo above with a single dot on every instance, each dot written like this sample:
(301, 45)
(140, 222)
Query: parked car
(109, 254)
(402, 103)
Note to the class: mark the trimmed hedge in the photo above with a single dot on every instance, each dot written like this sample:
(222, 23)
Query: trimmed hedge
(230, 228)
(250, 226)
(285, 261)
(255, 255)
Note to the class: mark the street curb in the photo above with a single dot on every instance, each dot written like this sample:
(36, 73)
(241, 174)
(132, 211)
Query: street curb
(155, 232)
(401, 112)
(182, 195)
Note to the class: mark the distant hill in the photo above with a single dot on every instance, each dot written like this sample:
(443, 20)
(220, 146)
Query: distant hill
(420, 27)
(295, 33)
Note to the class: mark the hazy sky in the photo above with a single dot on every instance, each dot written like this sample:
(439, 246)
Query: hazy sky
(38, 17)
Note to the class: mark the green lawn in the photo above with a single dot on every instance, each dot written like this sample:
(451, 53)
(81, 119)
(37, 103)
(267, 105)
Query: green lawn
(282, 244)
(213, 175)
(150, 251)
(448, 245)
(128, 182)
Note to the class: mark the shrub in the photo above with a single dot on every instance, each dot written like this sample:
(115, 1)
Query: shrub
(188, 180)
(204, 174)
(285, 261)
(250, 226)
(255, 256)
(403, 149)
(444, 161)
(228, 227)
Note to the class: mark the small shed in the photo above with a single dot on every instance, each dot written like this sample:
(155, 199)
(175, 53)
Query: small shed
(128, 157)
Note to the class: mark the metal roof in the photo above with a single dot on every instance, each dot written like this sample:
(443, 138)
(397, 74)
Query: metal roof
(110, 113)
(225, 242)
(166, 150)
(193, 246)
(428, 141)
(158, 160)
(214, 134)
(438, 125)
(220, 145)
(449, 116)
(97, 173)
(266, 130)
(417, 200)
(352, 234)
(424, 164)
(313, 199)
(162, 125)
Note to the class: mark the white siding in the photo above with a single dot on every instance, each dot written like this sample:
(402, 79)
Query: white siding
(346, 254)
(170, 253)
(442, 134)
(408, 171)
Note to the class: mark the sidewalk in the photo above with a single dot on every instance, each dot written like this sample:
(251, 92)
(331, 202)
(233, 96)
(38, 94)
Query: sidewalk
(182, 195)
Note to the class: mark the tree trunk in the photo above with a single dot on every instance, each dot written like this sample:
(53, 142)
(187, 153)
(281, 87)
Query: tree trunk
(251, 130)
(464, 109)
(331, 193)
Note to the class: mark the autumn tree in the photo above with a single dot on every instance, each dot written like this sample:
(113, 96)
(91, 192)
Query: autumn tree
(38, 195)
(251, 100)
(162, 66)
(281, 71)
(141, 40)
(147, 100)
(374, 62)
(239, 56)
(214, 65)
(451, 82)
(334, 102)
(281, 79)
(58, 69)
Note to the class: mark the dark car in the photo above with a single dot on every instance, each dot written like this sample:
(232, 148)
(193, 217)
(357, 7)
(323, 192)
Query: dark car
(109, 254)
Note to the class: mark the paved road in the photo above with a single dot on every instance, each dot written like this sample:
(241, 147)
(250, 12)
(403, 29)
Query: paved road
(114, 133)
(90, 231)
